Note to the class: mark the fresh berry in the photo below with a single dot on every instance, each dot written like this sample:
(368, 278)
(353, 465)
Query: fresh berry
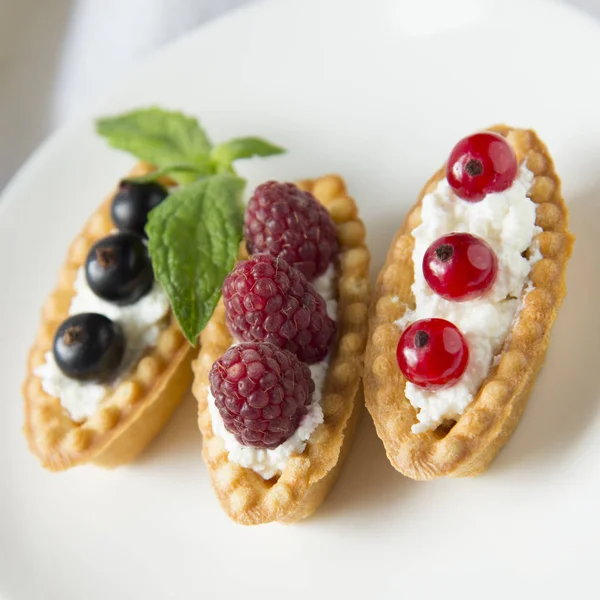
(261, 392)
(266, 300)
(88, 346)
(460, 266)
(133, 202)
(288, 223)
(118, 268)
(481, 164)
(432, 353)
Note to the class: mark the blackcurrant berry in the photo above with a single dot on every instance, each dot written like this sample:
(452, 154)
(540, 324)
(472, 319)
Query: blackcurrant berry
(133, 202)
(88, 346)
(118, 269)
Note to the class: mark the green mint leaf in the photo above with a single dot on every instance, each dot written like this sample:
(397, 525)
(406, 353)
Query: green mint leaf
(182, 173)
(160, 137)
(194, 237)
(246, 147)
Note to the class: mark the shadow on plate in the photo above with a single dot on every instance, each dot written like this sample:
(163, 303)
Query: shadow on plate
(367, 482)
(381, 232)
(566, 396)
(180, 441)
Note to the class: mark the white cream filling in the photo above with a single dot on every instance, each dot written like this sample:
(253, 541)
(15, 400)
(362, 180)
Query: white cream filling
(506, 220)
(141, 323)
(268, 463)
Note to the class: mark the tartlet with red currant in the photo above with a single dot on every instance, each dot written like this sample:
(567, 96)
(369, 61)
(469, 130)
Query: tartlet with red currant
(464, 305)
(112, 357)
(278, 376)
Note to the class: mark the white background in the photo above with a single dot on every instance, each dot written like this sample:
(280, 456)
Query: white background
(59, 58)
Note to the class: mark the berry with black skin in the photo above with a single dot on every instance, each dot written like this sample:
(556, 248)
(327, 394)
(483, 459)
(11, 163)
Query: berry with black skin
(118, 269)
(266, 300)
(286, 222)
(133, 202)
(261, 392)
(89, 347)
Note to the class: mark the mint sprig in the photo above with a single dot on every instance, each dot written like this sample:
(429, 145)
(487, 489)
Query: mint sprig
(194, 240)
(223, 155)
(160, 137)
(176, 172)
(169, 138)
(194, 234)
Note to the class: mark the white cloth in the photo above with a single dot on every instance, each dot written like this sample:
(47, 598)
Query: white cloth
(58, 56)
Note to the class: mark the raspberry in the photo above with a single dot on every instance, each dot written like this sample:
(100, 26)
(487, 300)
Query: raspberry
(261, 392)
(266, 300)
(288, 223)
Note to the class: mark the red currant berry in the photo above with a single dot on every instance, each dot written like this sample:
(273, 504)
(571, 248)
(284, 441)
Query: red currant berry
(460, 266)
(481, 164)
(432, 353)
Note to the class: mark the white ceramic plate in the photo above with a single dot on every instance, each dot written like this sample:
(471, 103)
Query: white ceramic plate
(379, 92)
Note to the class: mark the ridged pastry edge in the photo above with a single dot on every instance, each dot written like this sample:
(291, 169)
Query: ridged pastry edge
(139, 407)
(490, 419)
(243, 494)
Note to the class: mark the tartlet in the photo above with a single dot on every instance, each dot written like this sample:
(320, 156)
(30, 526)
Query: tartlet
(245, 496)
(467, 447)
(128, 418)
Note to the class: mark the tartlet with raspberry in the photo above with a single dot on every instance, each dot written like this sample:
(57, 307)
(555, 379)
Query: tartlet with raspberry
(464, 305)
(278, 376)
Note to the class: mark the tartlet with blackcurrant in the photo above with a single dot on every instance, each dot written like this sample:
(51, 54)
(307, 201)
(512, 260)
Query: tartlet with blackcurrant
(464, 305)
(109, 364)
